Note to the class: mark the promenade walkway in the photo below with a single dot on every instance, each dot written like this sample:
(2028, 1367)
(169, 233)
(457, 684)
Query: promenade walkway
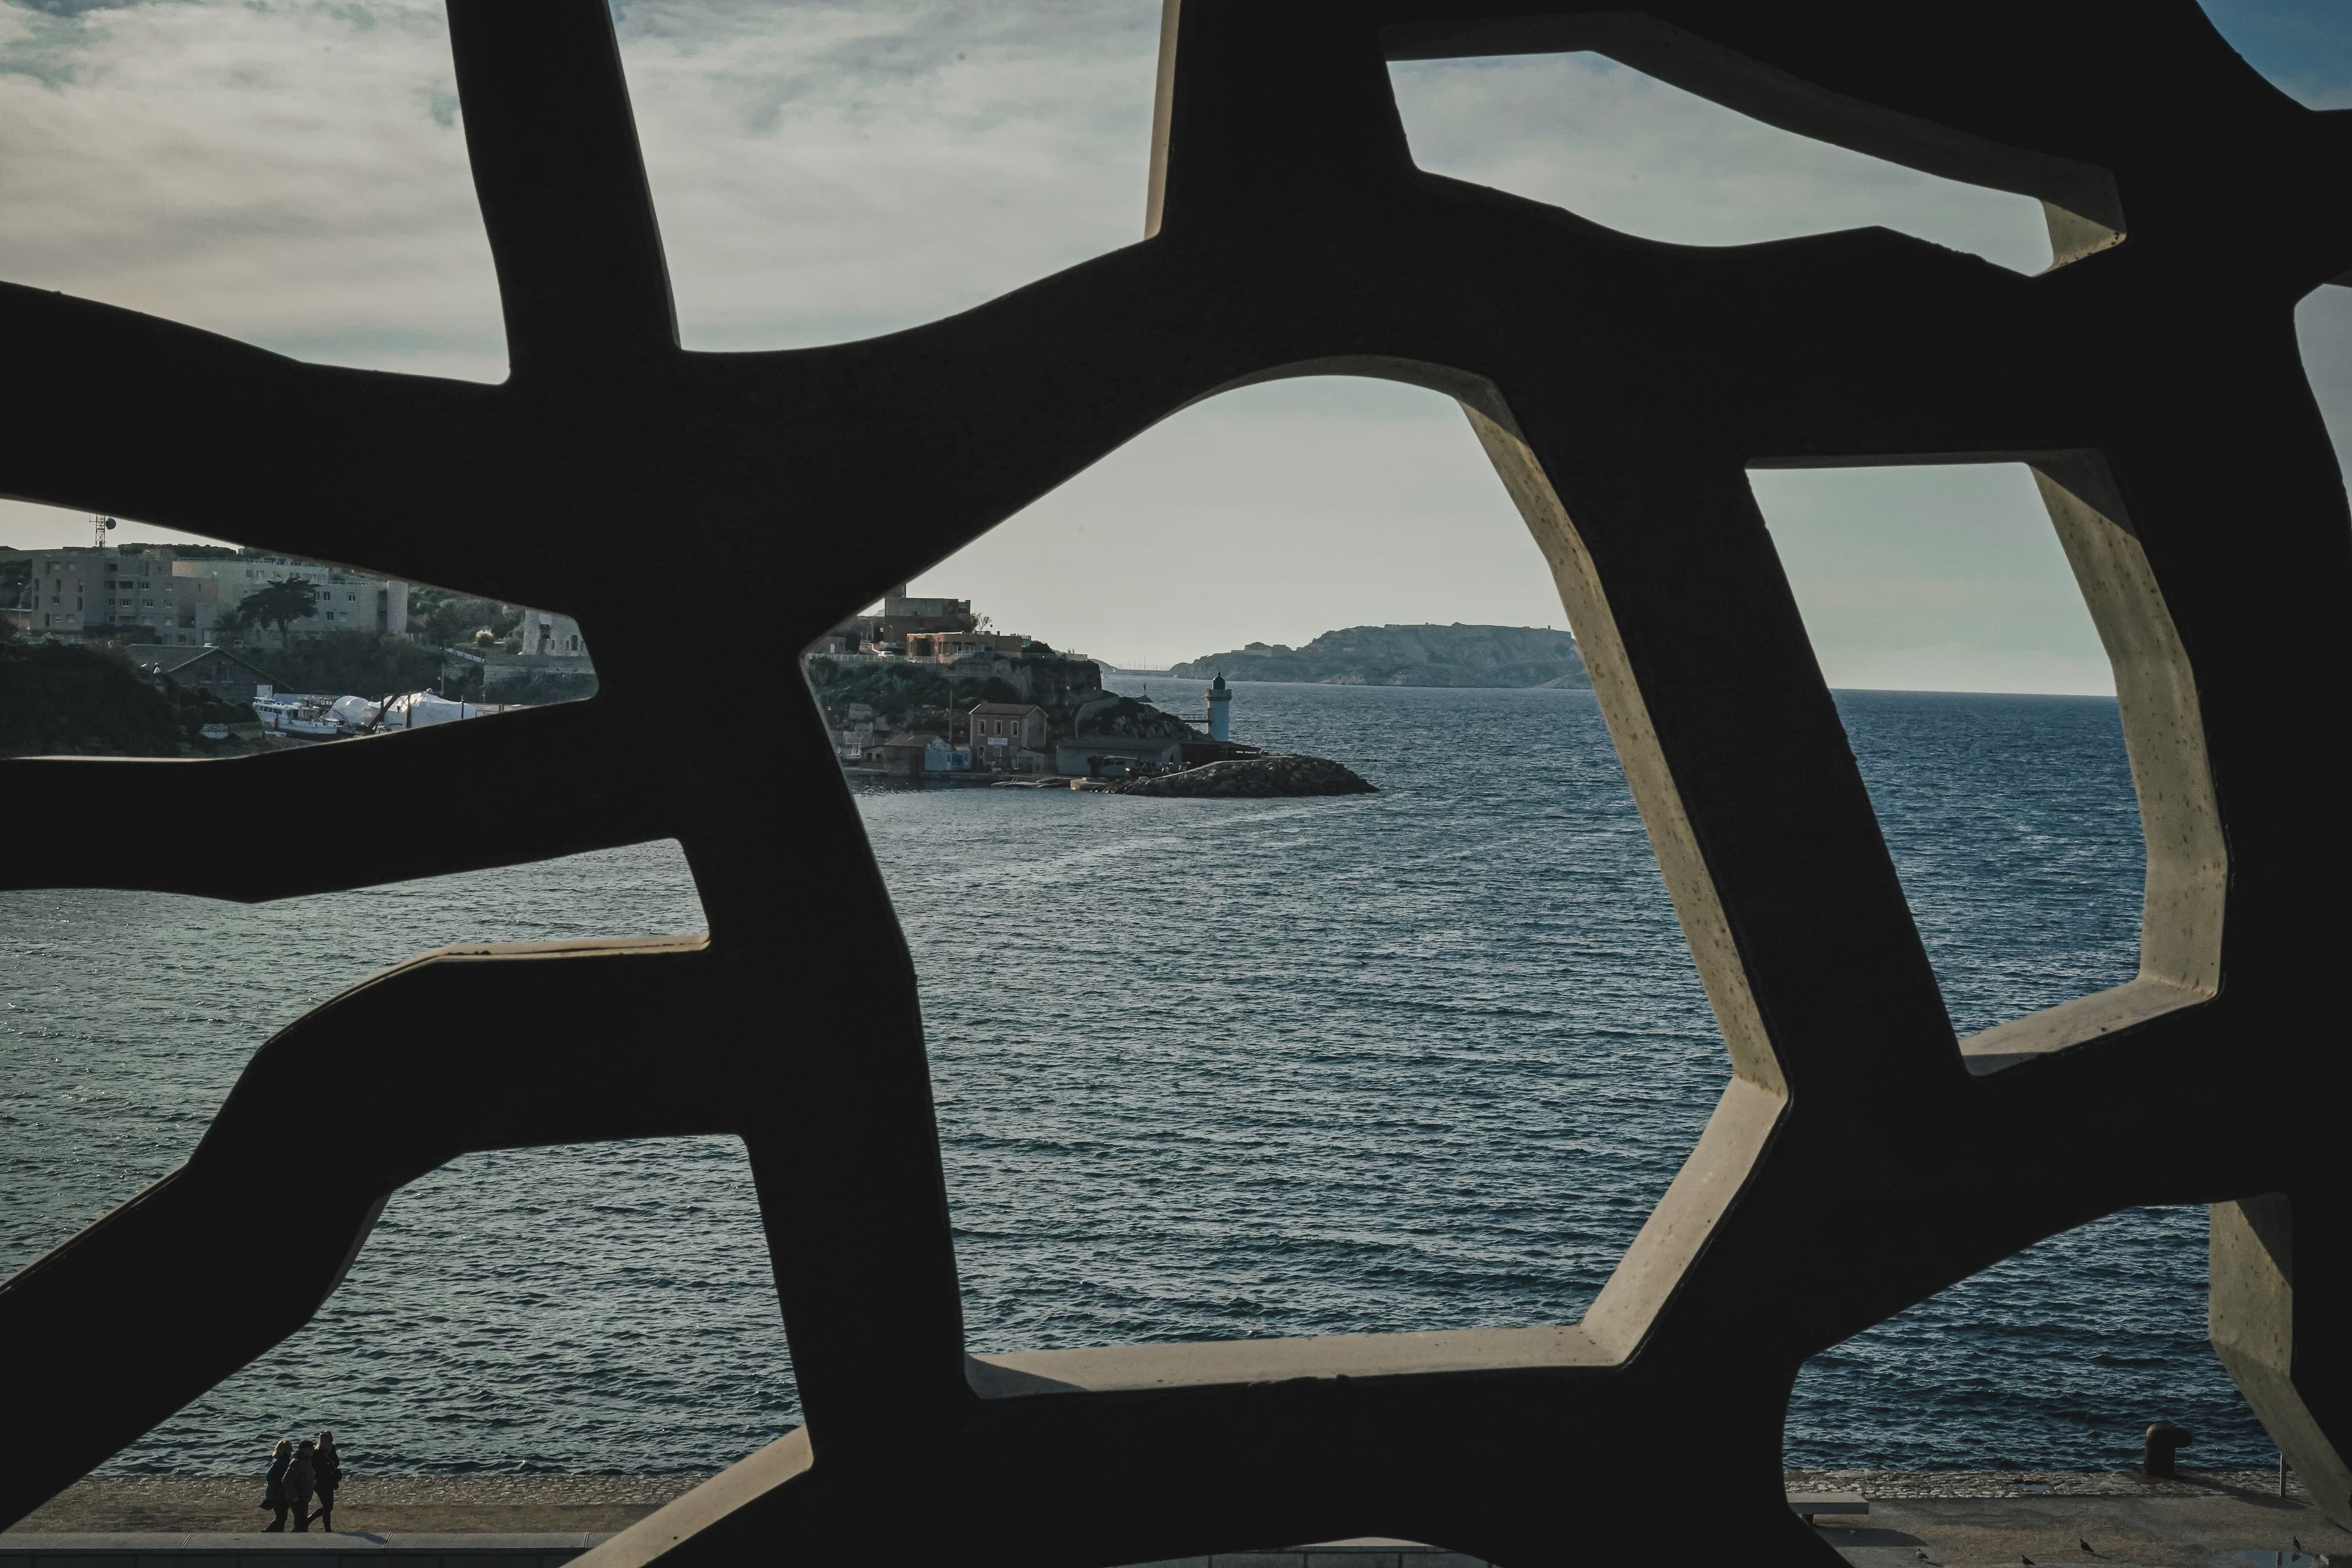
(1948, 1520)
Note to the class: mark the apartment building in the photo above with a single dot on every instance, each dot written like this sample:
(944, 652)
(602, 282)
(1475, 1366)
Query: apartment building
(150, 595)
(545, 634)
(85, 591)
(348, 600)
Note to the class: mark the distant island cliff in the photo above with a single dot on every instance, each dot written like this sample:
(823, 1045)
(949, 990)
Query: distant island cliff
(1457, 655)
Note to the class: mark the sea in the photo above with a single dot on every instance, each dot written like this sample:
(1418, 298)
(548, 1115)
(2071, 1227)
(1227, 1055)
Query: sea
(1204, 1069)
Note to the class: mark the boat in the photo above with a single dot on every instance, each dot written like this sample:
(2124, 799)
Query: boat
(304, 718)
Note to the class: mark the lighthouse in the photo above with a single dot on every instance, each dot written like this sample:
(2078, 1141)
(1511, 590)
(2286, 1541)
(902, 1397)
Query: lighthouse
(1221, 710)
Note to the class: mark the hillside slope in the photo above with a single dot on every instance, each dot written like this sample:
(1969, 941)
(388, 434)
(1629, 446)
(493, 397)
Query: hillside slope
(1457, 655)
(91, 702)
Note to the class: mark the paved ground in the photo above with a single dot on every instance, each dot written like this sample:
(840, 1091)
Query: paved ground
(377, 1504)
(2214, 1531)
(1949, 1519)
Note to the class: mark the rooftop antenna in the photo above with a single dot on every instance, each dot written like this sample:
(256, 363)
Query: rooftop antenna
(98, 531)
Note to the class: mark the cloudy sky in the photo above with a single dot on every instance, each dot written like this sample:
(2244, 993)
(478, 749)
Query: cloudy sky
(293, 173)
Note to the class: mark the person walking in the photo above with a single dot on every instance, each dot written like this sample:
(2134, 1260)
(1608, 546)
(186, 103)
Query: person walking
(327, 1474)
(273, 1490)
(301, 1478)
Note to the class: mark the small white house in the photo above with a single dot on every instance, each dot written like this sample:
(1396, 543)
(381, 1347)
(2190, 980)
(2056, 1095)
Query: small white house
(550, 635)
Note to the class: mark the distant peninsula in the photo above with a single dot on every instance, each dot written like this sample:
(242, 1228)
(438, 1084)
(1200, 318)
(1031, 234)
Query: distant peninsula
(1407, 656)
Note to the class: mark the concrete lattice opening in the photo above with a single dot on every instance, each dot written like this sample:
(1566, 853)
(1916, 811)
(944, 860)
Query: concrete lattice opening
(522, 1310)
(2056, 1359)
(324, 211)
(487, 1285)
(1850, 1117)
(1222, 1069)
(1623, 149)
(2323, 328)
(2291, 47)
(886, 169)
(165, 644)
(1977, 701)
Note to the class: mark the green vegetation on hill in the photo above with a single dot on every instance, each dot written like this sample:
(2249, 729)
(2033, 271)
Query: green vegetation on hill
(58, 699)
(1130, 718)
(904, 696)
(1458, 655)
(357, 662)
(911, 695)
(447, 619)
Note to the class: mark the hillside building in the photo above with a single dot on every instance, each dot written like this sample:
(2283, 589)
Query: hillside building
(855, 738)
(82, 593)
(150, 595)
(225, 674)
(545, 635)
(898, 606)
(901, 617)
(1009, 737)
(904, 751)
(946, 647)
(348, 600)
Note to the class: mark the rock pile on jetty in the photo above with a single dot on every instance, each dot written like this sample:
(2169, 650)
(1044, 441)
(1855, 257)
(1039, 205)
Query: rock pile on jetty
(1254, 778)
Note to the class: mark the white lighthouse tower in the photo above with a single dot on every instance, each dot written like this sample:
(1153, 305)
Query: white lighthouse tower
(1220, 710)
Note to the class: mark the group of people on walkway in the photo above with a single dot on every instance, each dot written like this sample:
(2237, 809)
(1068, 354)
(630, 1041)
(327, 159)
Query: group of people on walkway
(297, 1472)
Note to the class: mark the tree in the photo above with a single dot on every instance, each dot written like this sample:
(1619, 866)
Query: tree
(279, 604)
(359, 663)
(446, 619)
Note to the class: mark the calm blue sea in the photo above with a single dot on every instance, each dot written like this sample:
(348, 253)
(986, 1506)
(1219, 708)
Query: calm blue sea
(1419, 1059)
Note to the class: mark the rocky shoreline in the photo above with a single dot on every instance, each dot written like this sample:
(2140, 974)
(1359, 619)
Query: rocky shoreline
(1254, 778)
(1960, 1484)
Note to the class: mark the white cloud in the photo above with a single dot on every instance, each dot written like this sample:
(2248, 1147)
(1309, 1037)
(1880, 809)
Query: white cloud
(824, 172)
(293, 173)
(271, 172)
(1626, 150)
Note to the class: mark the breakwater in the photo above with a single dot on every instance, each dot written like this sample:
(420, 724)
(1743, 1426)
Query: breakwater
(1254, 778)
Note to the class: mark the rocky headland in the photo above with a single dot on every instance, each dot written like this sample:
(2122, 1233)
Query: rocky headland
(918, 695)
(1455, 655)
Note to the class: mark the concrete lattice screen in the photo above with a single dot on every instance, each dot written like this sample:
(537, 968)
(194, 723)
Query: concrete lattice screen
(1861, 1159)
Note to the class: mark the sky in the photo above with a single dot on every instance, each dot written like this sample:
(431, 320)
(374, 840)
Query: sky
(292, 173)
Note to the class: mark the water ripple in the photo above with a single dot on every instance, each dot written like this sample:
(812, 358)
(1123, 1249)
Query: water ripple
(1203, 1069)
